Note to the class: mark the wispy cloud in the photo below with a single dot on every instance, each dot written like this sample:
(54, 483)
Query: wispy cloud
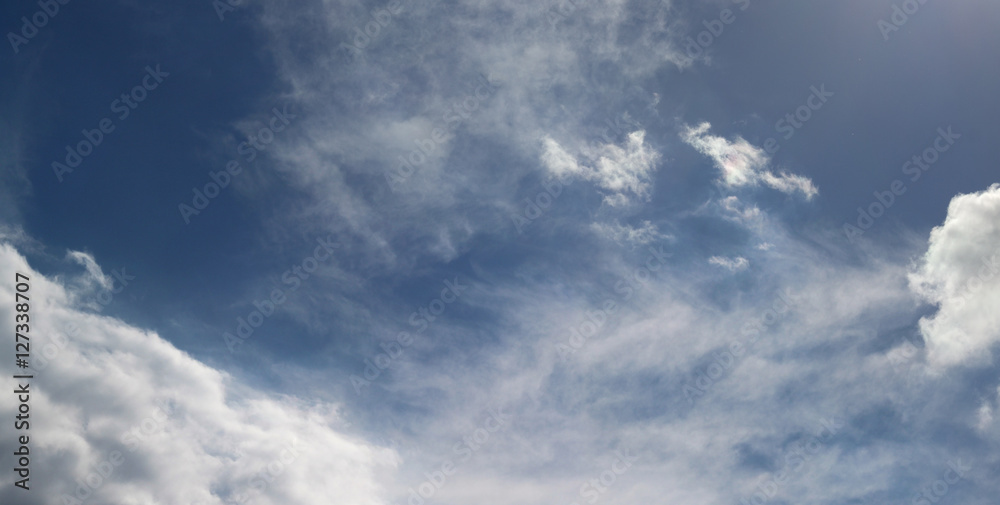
(743, 164)
(645, 233)
(623, 172)
(732, 264)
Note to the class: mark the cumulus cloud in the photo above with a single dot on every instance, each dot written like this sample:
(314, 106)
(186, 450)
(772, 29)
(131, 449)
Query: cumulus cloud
(958, 273)
(120, 416)
(623, 172)
(743, 164)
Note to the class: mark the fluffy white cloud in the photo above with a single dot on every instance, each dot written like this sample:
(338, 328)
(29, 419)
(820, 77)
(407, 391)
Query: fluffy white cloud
(162, 426)
(959, 274)
(743, 164)
(622, 171)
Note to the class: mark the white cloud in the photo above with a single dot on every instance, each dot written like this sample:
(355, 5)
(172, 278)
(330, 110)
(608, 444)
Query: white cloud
(15, 235)
(644, 234)
(96, 275)
(985, 417)
(623, 172)
(202, 437)
(732, 264)
(737, 211)
(361, 109)
(743, 164)
(959, 274)
(560, 163)
(789, 183)
(623, 386)
(739, 161)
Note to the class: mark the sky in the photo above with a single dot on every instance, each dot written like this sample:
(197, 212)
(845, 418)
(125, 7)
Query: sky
(718, 252)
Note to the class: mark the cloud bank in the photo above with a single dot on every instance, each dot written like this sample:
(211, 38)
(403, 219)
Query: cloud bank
(121, 416)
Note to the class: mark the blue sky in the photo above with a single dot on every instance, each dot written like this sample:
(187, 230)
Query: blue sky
(716, 252)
